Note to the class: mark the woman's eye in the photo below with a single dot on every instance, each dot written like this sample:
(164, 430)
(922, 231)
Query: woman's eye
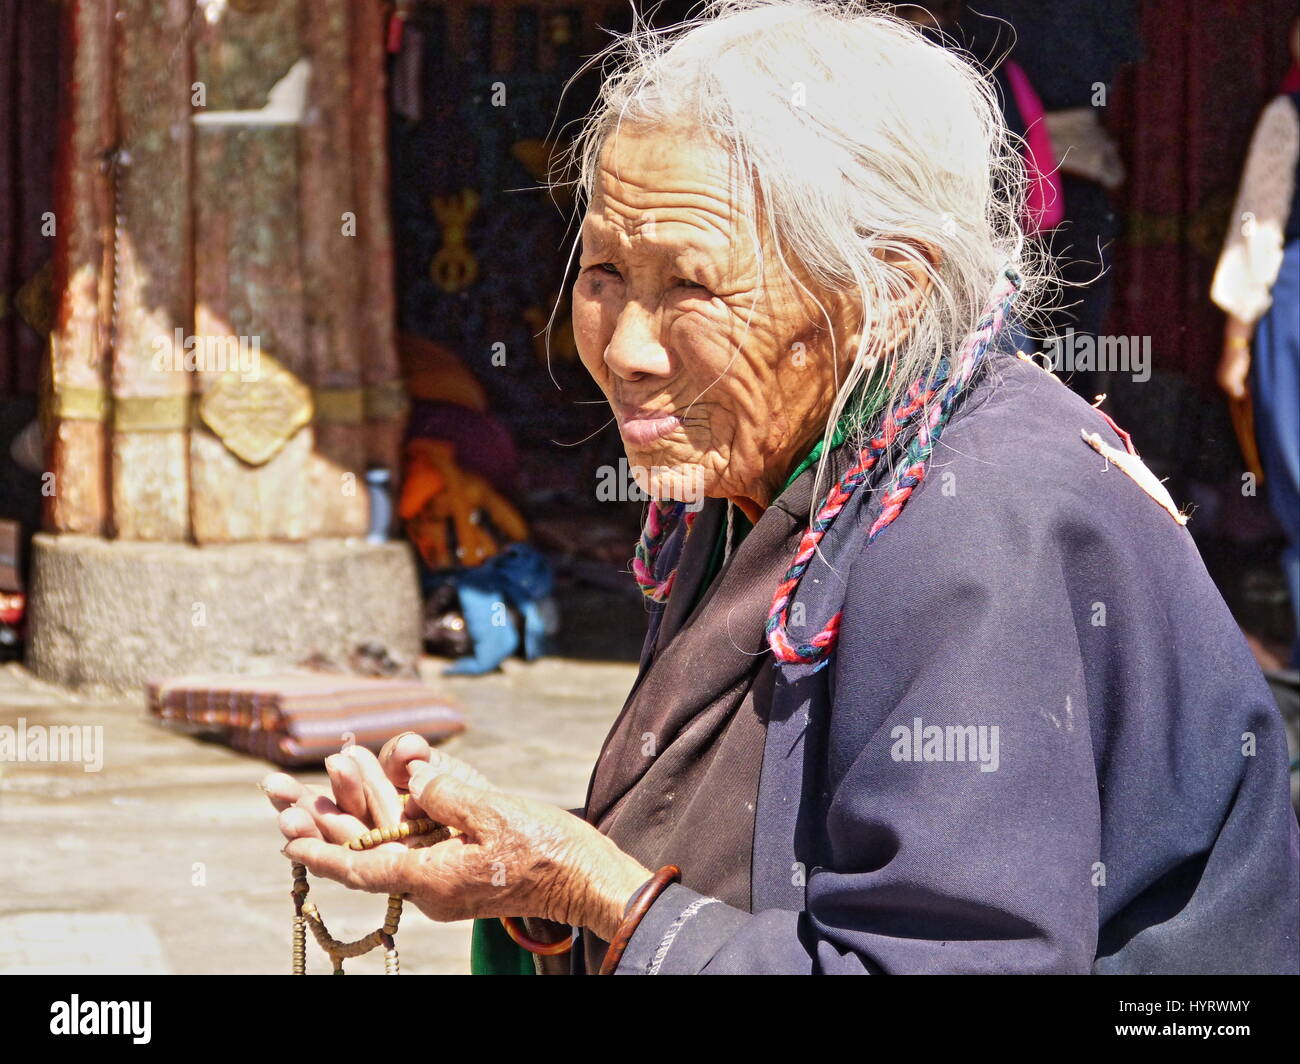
(682, 282)
(607, 267)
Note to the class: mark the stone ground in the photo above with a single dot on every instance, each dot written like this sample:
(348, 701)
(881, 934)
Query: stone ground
(168, 859)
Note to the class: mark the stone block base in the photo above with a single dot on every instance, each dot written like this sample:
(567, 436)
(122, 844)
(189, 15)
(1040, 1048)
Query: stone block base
(109, 615)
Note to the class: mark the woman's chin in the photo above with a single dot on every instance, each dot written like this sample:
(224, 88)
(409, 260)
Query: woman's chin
(668, 481)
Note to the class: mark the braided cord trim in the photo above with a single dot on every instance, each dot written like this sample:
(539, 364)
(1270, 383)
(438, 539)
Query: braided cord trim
(661, 519)
(918, 404)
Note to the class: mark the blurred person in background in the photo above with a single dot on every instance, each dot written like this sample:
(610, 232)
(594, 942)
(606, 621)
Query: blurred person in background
(1257, 285)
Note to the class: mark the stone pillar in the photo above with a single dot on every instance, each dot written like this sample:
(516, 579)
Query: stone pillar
(222, 372)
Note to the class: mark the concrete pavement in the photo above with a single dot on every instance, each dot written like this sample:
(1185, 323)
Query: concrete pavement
(167, 859)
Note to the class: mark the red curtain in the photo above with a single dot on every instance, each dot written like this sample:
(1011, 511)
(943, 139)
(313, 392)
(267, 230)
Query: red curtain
(29, 88)
(1184, 116)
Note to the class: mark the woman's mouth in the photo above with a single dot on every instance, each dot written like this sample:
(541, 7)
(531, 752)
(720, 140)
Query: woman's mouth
(641, 430)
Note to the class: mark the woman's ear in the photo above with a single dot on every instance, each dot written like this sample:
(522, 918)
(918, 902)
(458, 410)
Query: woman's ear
(911, 275)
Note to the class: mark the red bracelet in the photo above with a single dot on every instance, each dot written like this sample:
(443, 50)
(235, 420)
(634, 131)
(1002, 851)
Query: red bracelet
(547, 949)
(637, 908)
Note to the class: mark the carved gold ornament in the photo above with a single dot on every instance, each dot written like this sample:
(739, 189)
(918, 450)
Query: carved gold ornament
(454, 267)
(256, 417)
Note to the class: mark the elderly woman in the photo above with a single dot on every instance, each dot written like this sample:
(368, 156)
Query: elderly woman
(935, 680)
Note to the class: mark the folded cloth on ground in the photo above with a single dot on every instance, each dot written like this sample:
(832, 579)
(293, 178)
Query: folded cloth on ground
(299, 717)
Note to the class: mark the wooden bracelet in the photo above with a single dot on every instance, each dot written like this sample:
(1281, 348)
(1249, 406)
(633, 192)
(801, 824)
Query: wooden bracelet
(533, 945)
(637, 908)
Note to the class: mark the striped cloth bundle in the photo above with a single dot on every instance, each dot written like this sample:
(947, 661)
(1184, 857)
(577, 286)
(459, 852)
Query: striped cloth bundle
(298, 717)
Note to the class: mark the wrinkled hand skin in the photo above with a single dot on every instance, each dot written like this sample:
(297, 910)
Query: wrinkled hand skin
(511, 856)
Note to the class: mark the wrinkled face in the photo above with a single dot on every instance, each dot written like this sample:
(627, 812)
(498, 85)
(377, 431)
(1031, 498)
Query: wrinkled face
(720, 379)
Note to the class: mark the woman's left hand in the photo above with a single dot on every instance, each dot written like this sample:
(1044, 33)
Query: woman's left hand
(512, 856)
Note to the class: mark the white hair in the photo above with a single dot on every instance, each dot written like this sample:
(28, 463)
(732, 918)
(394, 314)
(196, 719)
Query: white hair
(863, 147)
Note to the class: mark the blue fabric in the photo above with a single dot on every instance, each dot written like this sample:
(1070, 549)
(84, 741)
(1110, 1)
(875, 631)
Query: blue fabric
(1275, 386)
(1292, 230)
(1139, 817)
(520, 577)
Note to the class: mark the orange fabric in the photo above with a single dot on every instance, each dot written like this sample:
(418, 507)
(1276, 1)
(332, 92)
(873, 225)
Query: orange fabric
(422, 483)
(445, 498)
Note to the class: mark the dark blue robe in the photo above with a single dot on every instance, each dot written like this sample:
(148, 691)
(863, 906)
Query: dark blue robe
(1137, 818)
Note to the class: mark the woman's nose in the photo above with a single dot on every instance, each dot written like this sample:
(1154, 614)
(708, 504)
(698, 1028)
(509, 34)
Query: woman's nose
(634, 350)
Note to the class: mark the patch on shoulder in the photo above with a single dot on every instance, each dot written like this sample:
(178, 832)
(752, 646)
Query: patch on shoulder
(1129, 462)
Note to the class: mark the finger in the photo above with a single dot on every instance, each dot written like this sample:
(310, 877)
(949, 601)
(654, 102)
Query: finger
(334, 824)
(462, 770)
(282, 790)
(447, 792)
(297, 823)
(285, 792)
(345, 781)
(382, 799)
(386, 870)
(398, 753)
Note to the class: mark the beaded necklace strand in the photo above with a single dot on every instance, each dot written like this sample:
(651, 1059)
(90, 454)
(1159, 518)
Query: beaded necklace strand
(305, 913)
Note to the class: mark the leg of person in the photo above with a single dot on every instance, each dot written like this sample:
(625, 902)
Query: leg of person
(1275, 381)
